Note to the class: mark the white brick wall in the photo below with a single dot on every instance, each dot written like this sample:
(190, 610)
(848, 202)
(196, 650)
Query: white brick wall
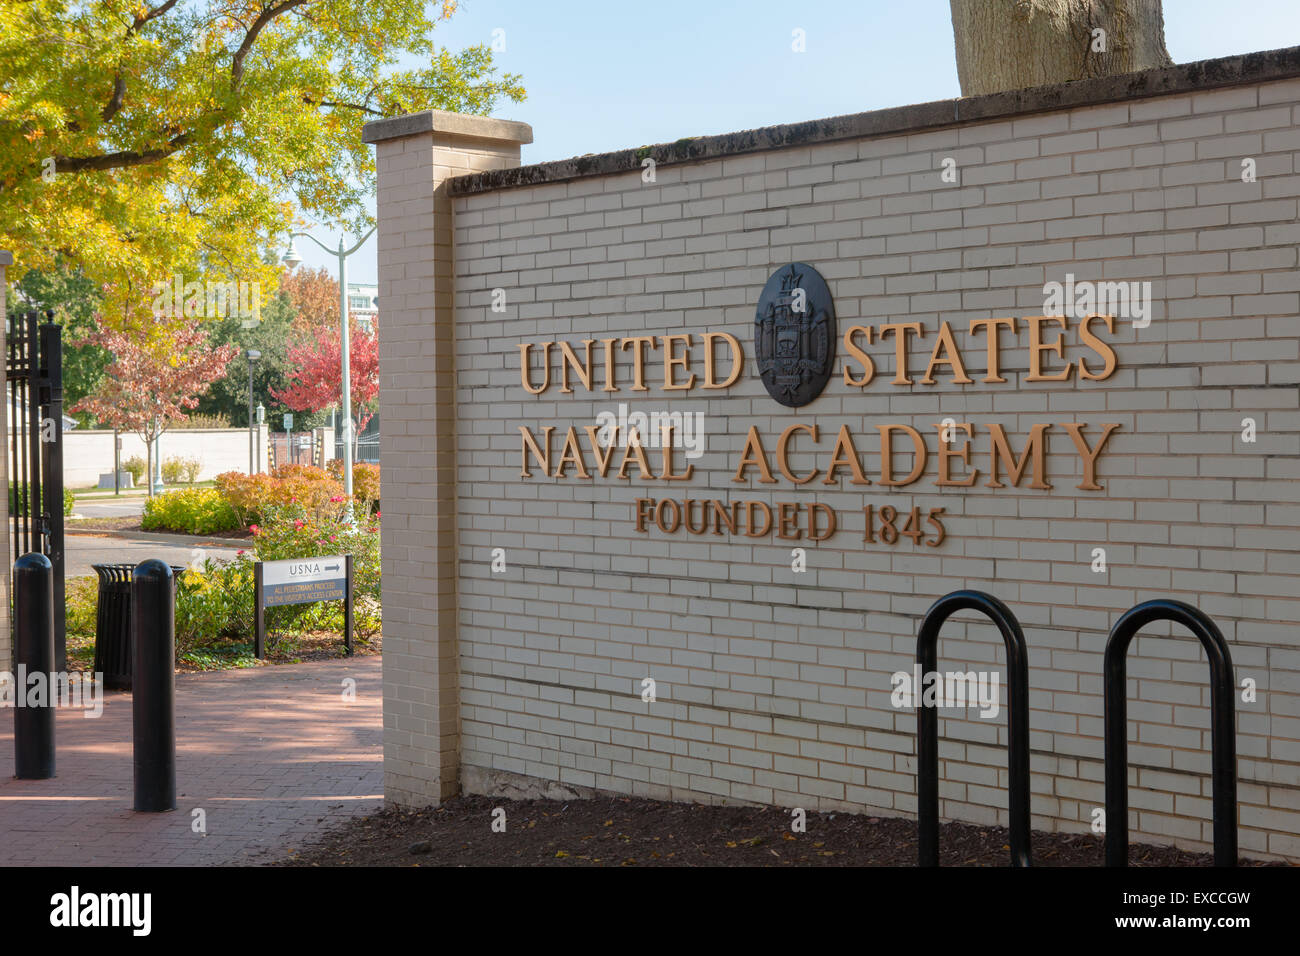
(774, 686)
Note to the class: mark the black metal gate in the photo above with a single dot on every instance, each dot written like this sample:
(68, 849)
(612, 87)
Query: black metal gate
(34, 375)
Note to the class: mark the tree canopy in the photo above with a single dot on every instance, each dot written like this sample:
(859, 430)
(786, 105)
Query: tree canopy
(316, 372)
(145, 138)
(160, 367)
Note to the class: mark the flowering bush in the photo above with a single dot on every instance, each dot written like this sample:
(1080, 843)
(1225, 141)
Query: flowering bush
(296, 531)
(190, 511)
(246, 494)
(365, 480)
(290, 470)
(307, 486)
(252, 496)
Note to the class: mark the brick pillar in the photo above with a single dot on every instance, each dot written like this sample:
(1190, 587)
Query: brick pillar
(415, 156)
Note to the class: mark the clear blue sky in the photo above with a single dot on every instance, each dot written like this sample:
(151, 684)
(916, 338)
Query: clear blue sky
(603, 75)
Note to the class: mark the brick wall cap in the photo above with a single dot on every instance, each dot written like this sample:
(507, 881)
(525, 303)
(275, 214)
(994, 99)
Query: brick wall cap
(1181, 78)
(441, 121)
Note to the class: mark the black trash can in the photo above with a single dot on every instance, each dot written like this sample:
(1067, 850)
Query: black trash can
(113, 624)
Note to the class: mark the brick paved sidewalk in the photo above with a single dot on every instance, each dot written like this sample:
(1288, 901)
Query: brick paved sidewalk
(272, 755)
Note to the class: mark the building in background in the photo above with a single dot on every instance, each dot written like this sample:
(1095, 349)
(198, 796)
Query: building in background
(363, 303)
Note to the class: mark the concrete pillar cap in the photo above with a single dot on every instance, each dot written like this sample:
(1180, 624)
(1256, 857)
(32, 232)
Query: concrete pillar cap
(454, 124)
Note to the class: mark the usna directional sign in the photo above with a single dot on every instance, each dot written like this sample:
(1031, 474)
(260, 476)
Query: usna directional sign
(304, 580)
(301, 581)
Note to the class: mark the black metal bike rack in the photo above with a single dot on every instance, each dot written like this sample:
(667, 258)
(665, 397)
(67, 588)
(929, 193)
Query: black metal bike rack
(927, 720)
(1223, 741)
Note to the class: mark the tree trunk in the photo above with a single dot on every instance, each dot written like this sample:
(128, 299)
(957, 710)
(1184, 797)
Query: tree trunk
(1013, 44)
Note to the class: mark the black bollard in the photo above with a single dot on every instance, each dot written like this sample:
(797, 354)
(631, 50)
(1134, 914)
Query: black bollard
(34, 654)
(153, 685)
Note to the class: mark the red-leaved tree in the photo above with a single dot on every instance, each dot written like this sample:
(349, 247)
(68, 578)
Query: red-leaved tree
(317, 374)
(161, 367)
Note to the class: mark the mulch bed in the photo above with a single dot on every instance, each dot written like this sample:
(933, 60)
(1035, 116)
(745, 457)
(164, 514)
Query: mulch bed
(298, 649)
(616, 831)
(318, 646)
(241, 535)
(121, 523)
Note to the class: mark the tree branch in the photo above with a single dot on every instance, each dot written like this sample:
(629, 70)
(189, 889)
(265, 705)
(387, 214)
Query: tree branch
(128, 158)
(121, 159)
(350, 106)
(266, 16)
(119, 82)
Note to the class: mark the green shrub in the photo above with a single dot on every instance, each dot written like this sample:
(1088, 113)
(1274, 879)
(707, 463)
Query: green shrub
(81, 597)
(171, 470)
(190, 468)
(214, 604)
(189, 511)
(220, 658)
(177, 469)
(195, 420)
(214, 613)
(136, 466)
(18, 504)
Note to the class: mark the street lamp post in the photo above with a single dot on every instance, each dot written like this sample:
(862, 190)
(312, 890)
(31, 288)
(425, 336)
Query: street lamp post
(253, 355)
(261, 417)
(156, 482)
(291, 259)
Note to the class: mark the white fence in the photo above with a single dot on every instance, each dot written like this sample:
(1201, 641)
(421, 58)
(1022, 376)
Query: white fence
(89, 454)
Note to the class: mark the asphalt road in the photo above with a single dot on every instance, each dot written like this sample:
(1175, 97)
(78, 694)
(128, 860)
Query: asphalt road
(84, 549)
(109, 507)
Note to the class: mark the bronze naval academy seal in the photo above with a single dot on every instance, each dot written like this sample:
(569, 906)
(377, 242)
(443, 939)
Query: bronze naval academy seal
(794, 334)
